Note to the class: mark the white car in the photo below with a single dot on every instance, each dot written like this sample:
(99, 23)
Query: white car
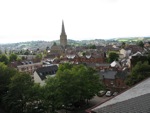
(101, 93)
(108, 93)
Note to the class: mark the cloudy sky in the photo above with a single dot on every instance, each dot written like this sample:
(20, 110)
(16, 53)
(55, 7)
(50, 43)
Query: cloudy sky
(27, 20)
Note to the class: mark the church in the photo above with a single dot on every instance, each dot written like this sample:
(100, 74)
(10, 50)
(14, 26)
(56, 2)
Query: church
(58, 50)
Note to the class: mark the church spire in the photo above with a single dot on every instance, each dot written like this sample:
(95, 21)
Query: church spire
(63, 36)
(63, 29)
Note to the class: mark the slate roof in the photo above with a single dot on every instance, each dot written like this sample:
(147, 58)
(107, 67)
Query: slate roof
(121, 74)
(97, 56)
(127, 102)
(102, 64)
(110, 74)
(44, 71)
(56, 47)
(140, 104)
(90, 65)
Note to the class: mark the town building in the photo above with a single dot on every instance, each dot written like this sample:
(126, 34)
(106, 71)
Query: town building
(41, 74)
(58, 50)
(63, 36)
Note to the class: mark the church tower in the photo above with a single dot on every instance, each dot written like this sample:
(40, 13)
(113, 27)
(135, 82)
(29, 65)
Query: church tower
(63, 36)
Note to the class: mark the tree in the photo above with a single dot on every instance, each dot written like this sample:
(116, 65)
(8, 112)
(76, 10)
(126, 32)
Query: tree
(87, 81)
(23, 58)
(1, 52)
(112, 56)
(139, 72)
(92, 46)
(5, 51)
(80, 81)
(4, 59)
(123, 45)
(18, 92)
(17, 98)
(27, 52)
(52, 95)
(67, 88)
(35, 102)
(47, 48)
(13, 57)
(136, 59)
(5, 75)
(39, 56)
(140, 43)
(84, 53)
(62, 67)
(37, 49)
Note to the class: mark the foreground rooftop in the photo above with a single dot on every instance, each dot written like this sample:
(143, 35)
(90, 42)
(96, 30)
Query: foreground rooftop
(136, 99)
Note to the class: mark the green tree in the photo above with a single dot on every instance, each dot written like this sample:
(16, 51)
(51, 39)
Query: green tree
(87, 81)
(80, 81)
(83, 53)
(112, 56)
(5, 51)
(67, 88)
(39, 56)
(4, 59)
(52, 95)
(47, 48)
(5, 75)
(23, 58)
(27, 52)
(140, 43)
(123, 45)
(1, 52)
(17, 97)
(35, 101)
(13, 57)
(62, 67)
(92, 46)
(139, 72)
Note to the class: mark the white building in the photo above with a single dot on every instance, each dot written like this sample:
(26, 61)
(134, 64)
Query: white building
(29, 67)
(124, 53)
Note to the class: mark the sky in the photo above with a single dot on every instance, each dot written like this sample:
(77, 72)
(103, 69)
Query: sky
(31, 20)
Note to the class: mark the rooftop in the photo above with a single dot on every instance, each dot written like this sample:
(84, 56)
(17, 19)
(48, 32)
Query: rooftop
(138, 104)
(45, 71)
(140, 89)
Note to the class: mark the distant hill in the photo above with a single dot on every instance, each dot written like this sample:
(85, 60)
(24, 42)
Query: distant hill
(131, 39)
(32, 45)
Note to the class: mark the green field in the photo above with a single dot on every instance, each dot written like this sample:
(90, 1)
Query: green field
(132, 39)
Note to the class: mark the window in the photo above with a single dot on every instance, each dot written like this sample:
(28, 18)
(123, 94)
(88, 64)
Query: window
(111, 82)
(41, 74)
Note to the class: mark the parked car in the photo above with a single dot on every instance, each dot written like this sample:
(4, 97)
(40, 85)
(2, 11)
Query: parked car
(115, 93)
(101, 93)
(108, 93)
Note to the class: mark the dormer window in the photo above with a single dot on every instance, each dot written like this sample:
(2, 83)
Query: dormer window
(41, 74)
